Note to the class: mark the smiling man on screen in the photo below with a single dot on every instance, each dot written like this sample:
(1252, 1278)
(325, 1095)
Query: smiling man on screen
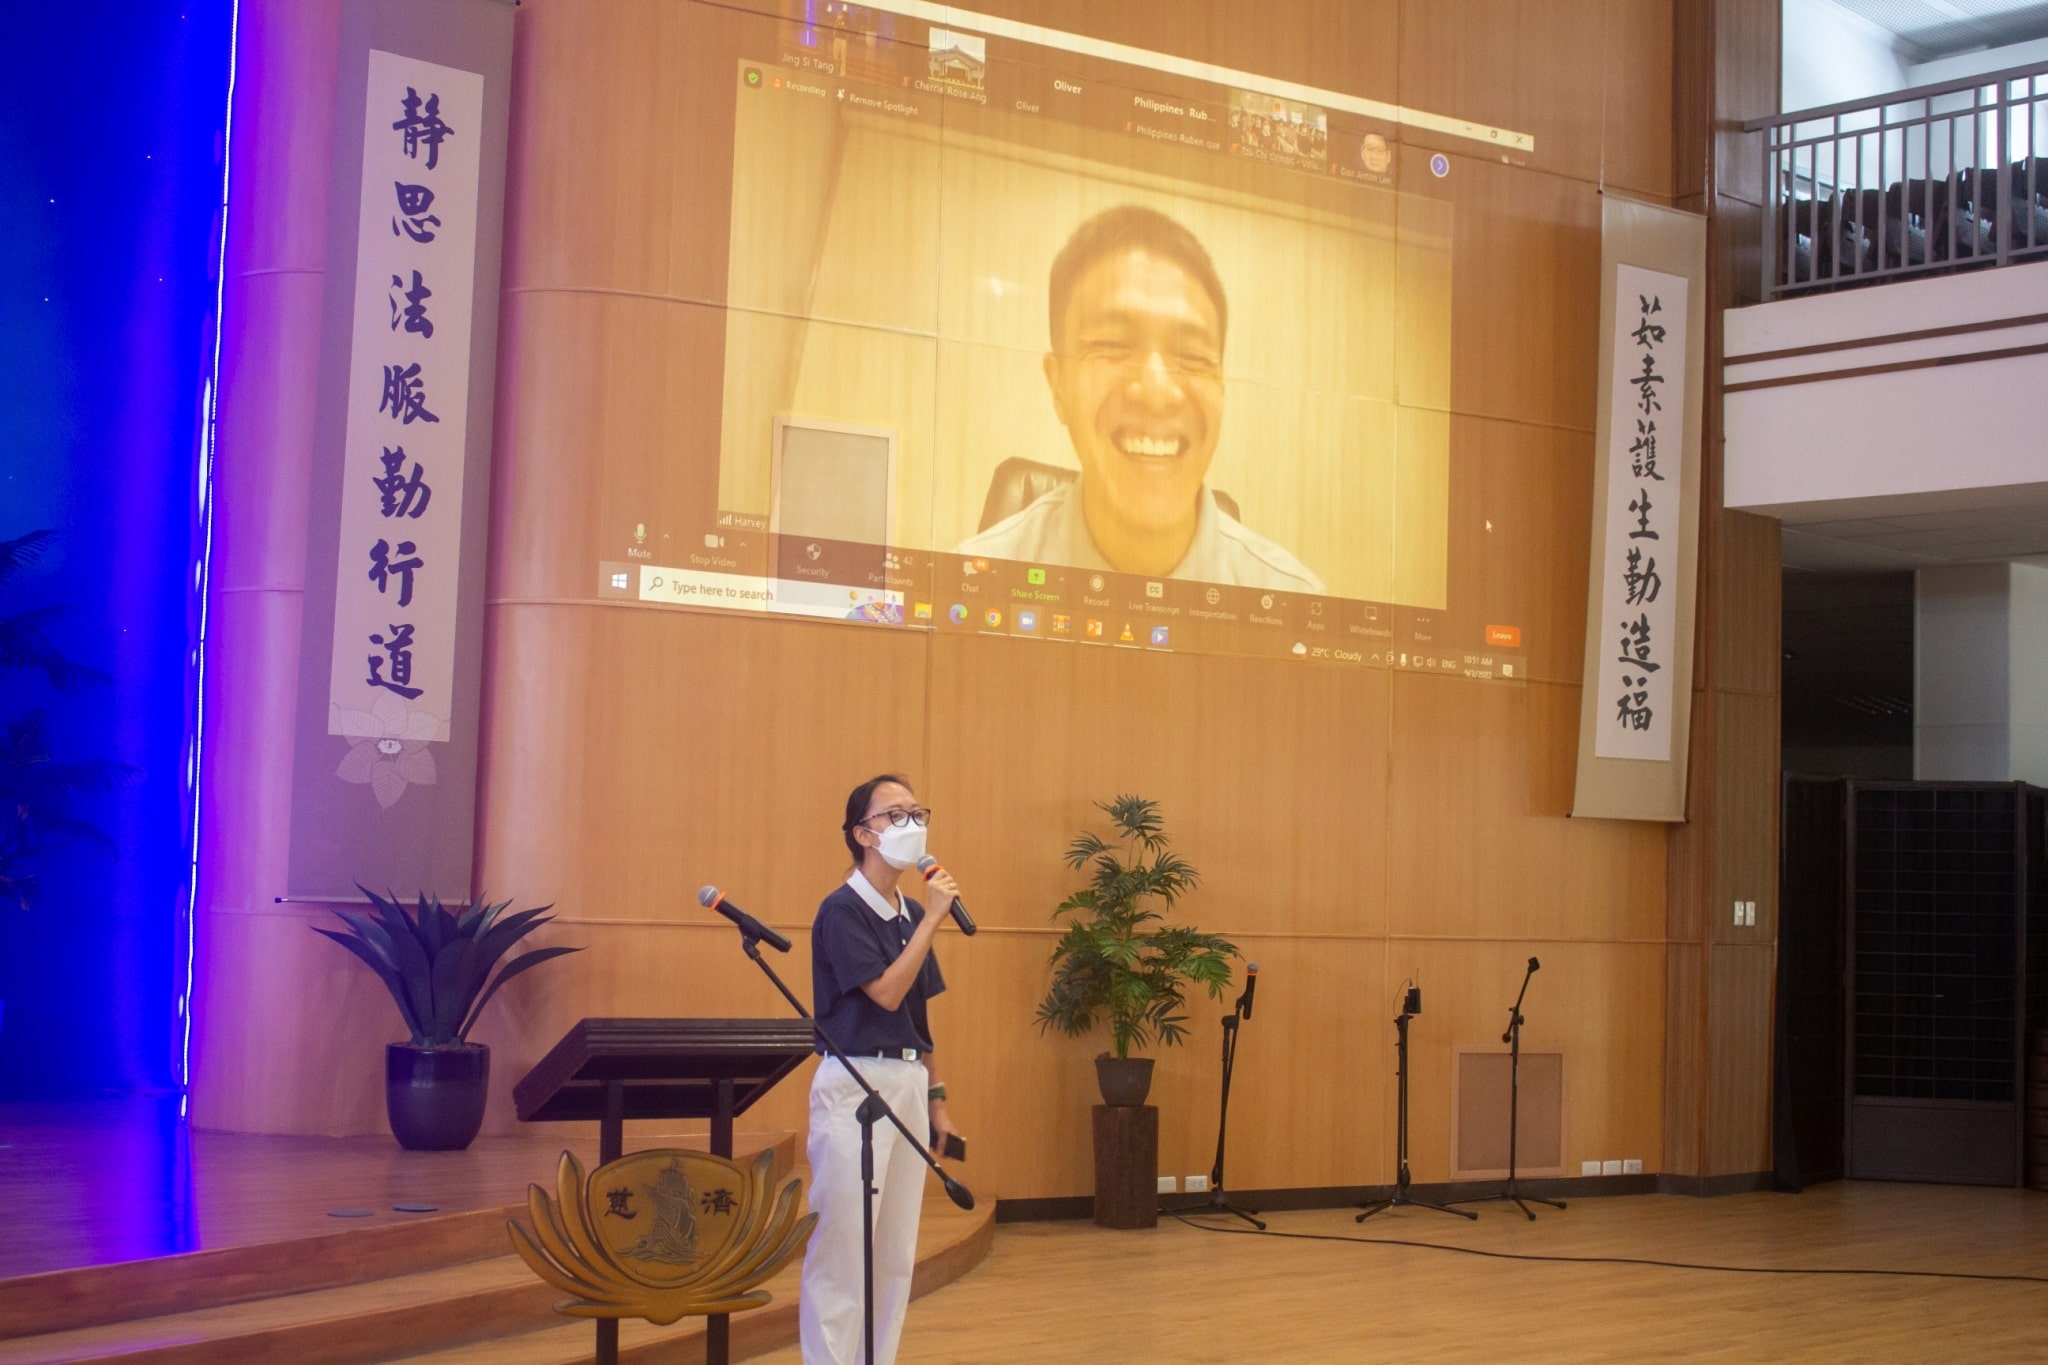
(1136, 371)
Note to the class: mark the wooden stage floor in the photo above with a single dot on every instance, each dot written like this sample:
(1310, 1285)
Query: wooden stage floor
(98, 1182)
(121, 1181)
(1057, 1292)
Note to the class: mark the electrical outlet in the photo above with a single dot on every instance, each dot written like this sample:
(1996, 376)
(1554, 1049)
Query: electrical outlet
(1749, 914)
(1632, 1166)
(1738, 914)
(1167, 1185)
(1589, 1168)
(1198, 1184)
(1610, 1168)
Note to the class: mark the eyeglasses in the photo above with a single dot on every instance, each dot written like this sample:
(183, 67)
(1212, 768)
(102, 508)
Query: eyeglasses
(899, 818)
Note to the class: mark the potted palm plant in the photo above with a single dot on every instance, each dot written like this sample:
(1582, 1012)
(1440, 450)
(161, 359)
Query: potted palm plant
(436, 963)
(1119, 962)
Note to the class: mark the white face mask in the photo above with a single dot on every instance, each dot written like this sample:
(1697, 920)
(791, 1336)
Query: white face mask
(901, 845)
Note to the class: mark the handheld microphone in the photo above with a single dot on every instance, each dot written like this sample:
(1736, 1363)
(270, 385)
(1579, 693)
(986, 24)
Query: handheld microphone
(928, 865)
(1534, 964)
(711, 898)
(1251, 986)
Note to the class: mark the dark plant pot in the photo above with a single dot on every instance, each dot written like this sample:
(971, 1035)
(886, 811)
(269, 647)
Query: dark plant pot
(435, 1095)
(1124, 1081)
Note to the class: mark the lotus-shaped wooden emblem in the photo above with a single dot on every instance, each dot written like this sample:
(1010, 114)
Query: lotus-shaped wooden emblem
(662, 1234)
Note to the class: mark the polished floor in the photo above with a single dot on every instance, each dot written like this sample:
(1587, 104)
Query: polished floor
(95, 1182)
(1405, 1287)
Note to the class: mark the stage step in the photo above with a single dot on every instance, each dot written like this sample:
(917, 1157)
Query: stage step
(493, 1310)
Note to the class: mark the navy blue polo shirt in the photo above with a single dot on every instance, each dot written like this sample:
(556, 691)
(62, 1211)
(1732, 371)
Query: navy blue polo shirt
(852, 945)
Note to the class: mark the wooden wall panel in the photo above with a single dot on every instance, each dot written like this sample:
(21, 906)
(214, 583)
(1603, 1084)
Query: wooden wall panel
(1745, 833)
(1521, 495)
(1511, 65)
(1740, 982)
(252, 1030)
(1748, 651)
(1637, 81)
(1718, 1074)
(1354, 827)
(634, 754)
(1600, 1004)
(1272, 778)
(1467, 839)
(1685, 1057)
(599, 394)
(1526, 257)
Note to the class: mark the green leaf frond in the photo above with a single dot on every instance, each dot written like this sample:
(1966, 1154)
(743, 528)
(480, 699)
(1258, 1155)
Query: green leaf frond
(1118, 961)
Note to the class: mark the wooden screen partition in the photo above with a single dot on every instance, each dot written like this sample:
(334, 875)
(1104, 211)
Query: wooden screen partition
(1355, 827)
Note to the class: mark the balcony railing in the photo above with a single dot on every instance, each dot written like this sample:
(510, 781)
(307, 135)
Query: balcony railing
(1924, 181)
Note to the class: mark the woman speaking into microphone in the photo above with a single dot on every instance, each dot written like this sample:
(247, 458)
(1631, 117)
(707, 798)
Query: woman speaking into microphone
(872, 970)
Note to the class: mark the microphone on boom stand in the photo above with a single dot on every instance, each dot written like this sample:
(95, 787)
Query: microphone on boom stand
(1511, 1193)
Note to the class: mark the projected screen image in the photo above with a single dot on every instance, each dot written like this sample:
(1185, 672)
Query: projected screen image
(1021, 340)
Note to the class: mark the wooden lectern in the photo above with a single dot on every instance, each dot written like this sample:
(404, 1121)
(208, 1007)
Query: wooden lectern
(612, 1070)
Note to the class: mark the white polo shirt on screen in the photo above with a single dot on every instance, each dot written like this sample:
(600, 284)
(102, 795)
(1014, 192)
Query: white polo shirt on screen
(1053, 530)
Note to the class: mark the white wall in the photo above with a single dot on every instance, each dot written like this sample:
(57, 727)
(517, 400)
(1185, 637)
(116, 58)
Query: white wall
(1967, 63)
(1980, 643)
(1831, 55)
(2029, 685)
(1962, 673)
(1941, 404)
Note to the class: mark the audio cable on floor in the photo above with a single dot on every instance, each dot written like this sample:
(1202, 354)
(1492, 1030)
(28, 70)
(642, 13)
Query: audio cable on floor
(1618, 1260)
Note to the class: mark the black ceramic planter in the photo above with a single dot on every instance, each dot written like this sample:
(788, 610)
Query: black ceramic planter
(1124, 1081)
(435, 1095)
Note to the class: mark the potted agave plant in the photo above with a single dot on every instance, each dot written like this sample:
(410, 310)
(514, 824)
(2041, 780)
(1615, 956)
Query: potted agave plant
(436, 963)
(1119, 962)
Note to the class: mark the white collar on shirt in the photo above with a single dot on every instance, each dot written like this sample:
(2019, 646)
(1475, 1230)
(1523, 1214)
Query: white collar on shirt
(865, 889)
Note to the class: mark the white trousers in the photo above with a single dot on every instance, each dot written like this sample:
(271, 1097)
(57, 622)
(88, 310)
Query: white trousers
(829, 1308)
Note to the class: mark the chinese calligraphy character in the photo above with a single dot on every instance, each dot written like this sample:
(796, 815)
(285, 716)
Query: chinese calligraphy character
(1633, 713)
(1635, 644)
(405, 395)
(414, 201)
(382, 566)
(720, 1201)
(402, 496)
(1648, 333)
(617, 1200)
(1646, 386)
(423, 125)
(1641, 579)
(414, 314)
(1641, 507)
(1644, 450)
(399, 650)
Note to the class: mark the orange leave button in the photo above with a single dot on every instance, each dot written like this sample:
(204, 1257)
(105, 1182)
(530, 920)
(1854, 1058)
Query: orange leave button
(1507, 637)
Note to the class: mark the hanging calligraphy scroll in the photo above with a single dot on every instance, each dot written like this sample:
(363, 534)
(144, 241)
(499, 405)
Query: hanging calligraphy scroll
(385, 762)
(1635, 707)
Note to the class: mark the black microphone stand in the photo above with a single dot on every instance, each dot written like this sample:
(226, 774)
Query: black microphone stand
(1411, 1005)
(1216, 1203)
(1511, 1193)
(872, 1110)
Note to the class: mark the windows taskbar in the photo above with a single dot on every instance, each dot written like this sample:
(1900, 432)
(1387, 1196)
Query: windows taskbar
(956, 594)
